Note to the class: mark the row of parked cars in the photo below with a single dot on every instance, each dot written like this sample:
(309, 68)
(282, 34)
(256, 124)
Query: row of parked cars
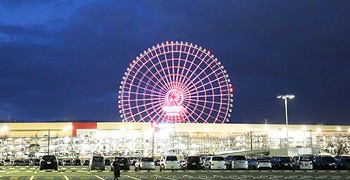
(171, 162)
(230, 162)
(303, 162)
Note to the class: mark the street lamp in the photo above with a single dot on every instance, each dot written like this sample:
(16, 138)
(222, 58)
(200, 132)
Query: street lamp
(285, 98)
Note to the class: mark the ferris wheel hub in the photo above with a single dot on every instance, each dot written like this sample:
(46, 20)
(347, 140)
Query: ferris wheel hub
(173, 102)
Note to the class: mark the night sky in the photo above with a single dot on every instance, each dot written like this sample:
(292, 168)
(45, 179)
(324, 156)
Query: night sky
(64, 60)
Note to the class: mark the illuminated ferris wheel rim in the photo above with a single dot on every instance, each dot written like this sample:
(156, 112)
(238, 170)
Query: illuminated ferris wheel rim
(175, 82)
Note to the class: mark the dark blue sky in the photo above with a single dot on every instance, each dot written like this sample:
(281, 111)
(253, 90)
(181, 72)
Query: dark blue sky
(64, 60)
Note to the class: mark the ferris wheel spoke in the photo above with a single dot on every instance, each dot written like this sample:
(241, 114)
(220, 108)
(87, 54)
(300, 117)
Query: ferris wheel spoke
(185, 61)
(199, 66)
(165, 83)
(137, 85)
(205, 74)
(210, 81)
(193, 112)
(204, 107)
(191, 63)
(149, 84)
(161, 93)
(139, 113)
(225, 88)
(165, 52)
(178, 64)
(144, 75)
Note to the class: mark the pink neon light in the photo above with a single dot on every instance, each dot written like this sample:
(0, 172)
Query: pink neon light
(175, 82)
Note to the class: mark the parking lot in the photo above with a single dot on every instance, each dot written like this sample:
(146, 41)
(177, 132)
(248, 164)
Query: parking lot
(81, 172)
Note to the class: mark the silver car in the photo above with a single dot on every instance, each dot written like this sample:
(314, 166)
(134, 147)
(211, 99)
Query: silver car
(145, 163)
(239, 162)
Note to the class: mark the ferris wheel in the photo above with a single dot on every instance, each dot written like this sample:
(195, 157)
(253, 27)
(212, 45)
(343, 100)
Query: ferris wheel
(175, 82)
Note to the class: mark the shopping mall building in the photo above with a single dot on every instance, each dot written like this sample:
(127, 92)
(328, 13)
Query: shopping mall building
(82, 139)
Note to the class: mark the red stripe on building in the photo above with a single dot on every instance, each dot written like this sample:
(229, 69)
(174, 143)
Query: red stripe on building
(82, 125)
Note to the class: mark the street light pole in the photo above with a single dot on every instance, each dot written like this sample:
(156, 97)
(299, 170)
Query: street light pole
(285, 98)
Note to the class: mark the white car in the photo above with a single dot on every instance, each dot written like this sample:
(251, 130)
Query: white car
(169, 162)
(239, 162)
(215, 162)
(145, 163)
(305, 162)
(264, 164)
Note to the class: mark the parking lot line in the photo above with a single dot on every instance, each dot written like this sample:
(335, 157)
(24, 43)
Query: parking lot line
(132, 177)
(66, 177)
(31, 178)
(99, 177)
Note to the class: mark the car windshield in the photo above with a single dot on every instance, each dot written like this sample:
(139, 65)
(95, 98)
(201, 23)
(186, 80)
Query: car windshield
(240, 158)
(285, 159)
(49, 158)
(305, 158)
(171, 158)
(328, 159)
(218, 159)
(193, 158)
(147, 159)
(97, 158)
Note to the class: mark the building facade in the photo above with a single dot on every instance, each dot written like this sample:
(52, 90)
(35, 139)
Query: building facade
(82, 139)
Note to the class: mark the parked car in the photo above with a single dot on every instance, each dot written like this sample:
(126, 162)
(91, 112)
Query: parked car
(203, 160)
(108, 162)
(282, 162)
(77, 162)
(342, 162)
(86, 162)
(145, 163)
(48, 162)
(252, 163)
(263, 163)
(169, 162)
(97, 163)
(305, 162)
(236, 162)
(215, 162)
(324, 162)
(124, 163)
(191, 163)
(7, 162)
(34, 162)
(157, 162)
(20, 162)
(67, 162)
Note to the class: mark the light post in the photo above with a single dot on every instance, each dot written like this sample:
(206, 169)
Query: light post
(285, 98)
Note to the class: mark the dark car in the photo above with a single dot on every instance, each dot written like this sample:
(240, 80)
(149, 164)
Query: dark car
(191, 163)
(342, 162)
(97, 163)
(252, 163)
(86, 162)
(324, 162)
(282, 162)
(34, 162)
(20, 162)
(48, 162)
(124, 163)
(108, 162)
(77, 162)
